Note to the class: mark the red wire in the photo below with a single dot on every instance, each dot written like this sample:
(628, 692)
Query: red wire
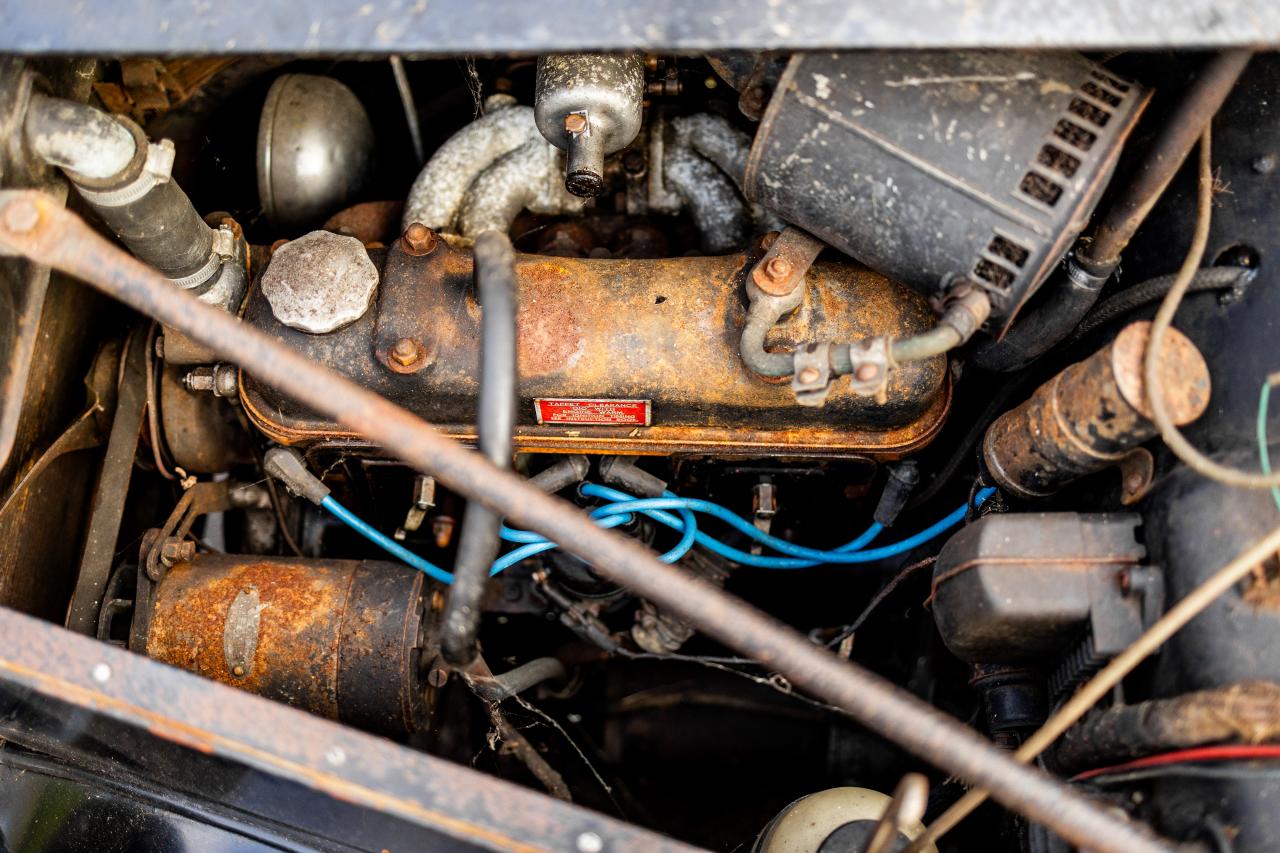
(1184, 756)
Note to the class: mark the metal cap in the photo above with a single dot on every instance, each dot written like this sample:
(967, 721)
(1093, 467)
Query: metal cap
(320, 282)
(315, 150)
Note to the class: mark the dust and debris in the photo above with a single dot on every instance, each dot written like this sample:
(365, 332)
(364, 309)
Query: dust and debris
(1049, 87)
(1021, 76)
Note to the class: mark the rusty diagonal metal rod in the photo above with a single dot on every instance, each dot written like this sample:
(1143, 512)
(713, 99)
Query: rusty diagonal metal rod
(36, 226)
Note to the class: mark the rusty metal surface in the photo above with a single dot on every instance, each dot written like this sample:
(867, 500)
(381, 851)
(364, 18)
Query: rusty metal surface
(660, 330)
(1239, 713)
(786, 260)
(199, 429)
(49, 329)
(107, 512)
(38, 228)
(341, 639)
(161, 710)
(1091, 415)
(370, 222)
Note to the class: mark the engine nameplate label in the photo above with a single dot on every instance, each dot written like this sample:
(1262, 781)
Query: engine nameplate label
(592, 412)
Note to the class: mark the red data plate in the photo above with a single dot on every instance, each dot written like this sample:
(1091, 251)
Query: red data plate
(592, 412)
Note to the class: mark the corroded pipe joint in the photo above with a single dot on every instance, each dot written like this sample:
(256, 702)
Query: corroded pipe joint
(1092, 414)
(764, 312)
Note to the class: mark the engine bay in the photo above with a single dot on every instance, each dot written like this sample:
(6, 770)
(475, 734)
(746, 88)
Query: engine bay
(764, 450)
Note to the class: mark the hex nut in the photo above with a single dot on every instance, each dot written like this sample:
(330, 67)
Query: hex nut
(419, 240)
(320, 282)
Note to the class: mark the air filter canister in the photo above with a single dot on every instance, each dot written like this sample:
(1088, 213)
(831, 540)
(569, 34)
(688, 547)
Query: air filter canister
(932, 167)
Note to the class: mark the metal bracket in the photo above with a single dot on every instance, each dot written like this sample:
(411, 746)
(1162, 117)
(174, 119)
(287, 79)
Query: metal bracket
(782, 268)
(1137, 472)
(811, 383)
(872, 365)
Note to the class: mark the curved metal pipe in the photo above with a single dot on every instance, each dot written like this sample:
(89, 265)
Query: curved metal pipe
(712, 200)
(962, 318)
(515, 681)
(718, 141)
(78, 137)
(438, 191)
(715, 138)
(527, 177)
(37, 227)
(496, 416)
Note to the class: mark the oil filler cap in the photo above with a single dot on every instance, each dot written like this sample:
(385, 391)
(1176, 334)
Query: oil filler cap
(320, 282)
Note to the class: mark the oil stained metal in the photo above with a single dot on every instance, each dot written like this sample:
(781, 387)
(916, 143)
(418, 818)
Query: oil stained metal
(665, 331)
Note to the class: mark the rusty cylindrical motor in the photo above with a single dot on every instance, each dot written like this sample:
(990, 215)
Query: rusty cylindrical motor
(1091, 415)
(345, 639)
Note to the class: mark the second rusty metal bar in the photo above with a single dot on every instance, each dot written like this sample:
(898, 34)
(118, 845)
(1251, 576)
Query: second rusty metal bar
(38, 227)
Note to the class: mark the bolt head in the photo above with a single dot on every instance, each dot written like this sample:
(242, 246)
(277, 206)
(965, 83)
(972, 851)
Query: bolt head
(438, 677)
(21, 216)
(809, 375)
(405, 352)
(778, 268)
(867, 372)
(419, 240)
(575, 123)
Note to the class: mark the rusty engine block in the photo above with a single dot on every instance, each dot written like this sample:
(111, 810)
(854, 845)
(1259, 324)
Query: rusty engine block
(615, 356)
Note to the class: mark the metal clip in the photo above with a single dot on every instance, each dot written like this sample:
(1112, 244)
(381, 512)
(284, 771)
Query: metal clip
(872, 365)
(811, 382)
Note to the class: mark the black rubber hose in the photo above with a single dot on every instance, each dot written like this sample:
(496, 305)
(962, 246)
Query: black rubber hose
(1066, 301)
(496, 415)
(1153, 290)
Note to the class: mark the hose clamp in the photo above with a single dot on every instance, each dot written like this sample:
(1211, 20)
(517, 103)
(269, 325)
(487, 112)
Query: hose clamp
(157, 170)
(811, 382)
(873, 363)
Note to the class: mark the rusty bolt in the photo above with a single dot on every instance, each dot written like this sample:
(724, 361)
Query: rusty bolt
(238, 671)
(1133, 483)
(809, 375)
(575, 123)
(175, 551)
(405, 352)
(777, 268)
(866, 372)
(442, 530)
(776, 276)
(21, 216)
(438, 676)
(418, 240)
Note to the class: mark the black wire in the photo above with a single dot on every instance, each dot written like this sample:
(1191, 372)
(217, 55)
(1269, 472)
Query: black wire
(884, 592)
(281, 520)
(1153, 290)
